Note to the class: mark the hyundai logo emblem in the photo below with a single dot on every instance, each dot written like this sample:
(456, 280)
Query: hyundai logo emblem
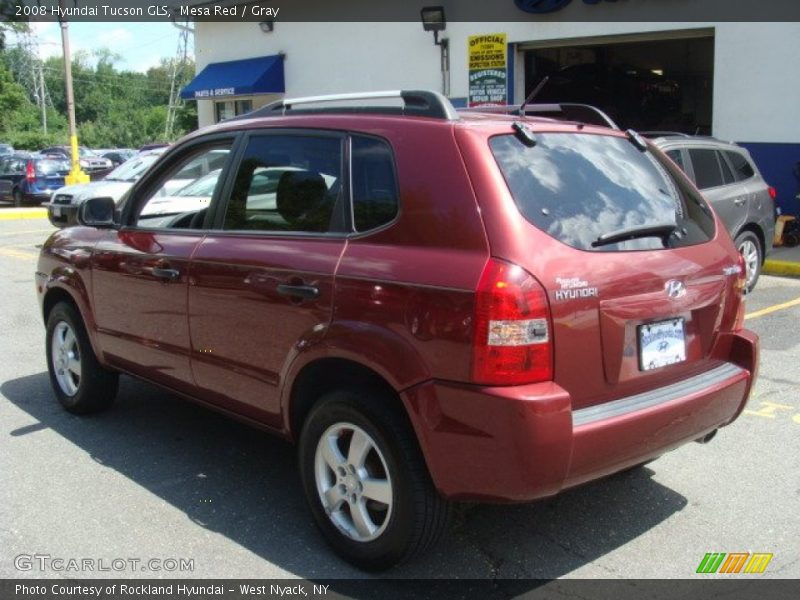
(675, 289)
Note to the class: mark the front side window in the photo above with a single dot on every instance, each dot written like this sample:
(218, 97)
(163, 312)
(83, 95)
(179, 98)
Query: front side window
(288, 183)
(181, 198)
(586, 189)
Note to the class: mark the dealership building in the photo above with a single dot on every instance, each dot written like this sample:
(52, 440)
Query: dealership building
(737, 81)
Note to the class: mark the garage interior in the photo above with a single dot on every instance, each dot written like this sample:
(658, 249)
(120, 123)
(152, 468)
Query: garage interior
(660, 82)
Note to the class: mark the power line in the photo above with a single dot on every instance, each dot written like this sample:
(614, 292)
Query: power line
(178, 68)
(121, 84)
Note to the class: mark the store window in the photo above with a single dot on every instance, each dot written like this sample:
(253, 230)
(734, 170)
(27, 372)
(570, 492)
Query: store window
(231, 108)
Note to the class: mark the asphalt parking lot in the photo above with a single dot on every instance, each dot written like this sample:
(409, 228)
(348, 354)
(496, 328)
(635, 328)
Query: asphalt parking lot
(160, 478)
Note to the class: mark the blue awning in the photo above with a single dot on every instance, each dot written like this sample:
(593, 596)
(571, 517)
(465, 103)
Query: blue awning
(262, 75)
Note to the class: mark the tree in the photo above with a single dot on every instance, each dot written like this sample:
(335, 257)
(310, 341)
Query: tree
(113, 108)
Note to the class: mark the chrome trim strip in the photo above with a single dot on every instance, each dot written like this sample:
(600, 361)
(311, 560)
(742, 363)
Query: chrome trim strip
(675, 391)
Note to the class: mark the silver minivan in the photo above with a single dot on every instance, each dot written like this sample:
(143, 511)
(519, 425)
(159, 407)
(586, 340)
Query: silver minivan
(731, 182)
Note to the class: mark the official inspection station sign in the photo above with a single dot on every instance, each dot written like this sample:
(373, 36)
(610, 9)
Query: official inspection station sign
(487, 69)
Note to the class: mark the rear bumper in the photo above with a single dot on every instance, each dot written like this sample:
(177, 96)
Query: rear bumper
(525, 442)
(35, 197)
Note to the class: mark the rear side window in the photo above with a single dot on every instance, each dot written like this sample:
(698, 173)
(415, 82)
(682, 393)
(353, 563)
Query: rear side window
(707, 172)
(741, 167)
(579, 187)
(375, 196)
(727, 174)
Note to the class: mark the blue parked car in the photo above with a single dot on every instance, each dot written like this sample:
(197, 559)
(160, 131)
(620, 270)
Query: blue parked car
(30, 179)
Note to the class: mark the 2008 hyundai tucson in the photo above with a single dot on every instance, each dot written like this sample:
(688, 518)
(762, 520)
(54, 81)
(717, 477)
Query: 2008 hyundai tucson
(435, 306)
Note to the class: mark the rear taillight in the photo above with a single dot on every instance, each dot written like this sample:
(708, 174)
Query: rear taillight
(30, 174)
(773, 193)
(513, 342)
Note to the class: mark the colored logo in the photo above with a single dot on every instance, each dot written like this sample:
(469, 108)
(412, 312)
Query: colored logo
(734, 562)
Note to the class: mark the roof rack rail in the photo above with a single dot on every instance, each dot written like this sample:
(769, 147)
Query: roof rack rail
(653, 134)
(565, 111)
(417, 103)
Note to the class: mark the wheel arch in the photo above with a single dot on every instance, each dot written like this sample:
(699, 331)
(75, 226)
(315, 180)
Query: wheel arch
(756, 229)
(59, 293)
(323, 375)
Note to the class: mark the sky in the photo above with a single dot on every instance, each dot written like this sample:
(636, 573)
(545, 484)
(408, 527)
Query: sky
(140, 45)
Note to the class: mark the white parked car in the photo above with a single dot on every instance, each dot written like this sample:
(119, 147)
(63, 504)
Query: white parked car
(65, 201)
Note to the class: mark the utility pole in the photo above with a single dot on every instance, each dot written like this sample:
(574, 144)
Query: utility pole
(76, 175)
(178, 68)
(42, 99)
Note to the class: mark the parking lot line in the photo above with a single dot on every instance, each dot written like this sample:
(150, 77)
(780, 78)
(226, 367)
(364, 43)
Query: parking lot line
(10, 233)
(13, 253)
(772, 309)
(33, 213)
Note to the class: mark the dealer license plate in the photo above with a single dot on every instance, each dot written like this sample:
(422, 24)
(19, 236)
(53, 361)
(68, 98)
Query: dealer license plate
(56, 211)
(662, 343)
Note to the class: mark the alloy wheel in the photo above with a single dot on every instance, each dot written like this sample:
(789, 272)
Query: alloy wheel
(66, 358)
(749, 251)
(353, 482)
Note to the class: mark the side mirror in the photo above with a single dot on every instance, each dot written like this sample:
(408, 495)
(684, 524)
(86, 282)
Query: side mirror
(97, 212)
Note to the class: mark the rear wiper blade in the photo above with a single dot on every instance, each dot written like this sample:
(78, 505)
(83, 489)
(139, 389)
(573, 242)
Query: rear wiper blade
(659, 230)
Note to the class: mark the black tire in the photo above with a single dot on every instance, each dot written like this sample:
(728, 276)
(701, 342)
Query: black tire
(748, 245)
(95, 388)
(17, 198)
(417, 514)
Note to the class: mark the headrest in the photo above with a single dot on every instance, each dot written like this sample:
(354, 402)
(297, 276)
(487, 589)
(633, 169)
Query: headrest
(298, 193)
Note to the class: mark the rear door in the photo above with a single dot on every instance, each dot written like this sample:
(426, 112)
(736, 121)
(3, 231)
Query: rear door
(263, 278)
(141, 272)
(623, 246)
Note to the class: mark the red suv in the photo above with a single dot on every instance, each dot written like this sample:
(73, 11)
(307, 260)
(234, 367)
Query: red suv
(435, 306)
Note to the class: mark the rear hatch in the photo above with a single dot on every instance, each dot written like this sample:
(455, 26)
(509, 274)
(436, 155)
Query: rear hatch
(50, 173)
(639, 283)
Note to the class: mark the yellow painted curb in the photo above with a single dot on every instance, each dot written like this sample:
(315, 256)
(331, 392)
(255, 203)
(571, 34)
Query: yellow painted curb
(33, 213)
(781, 267)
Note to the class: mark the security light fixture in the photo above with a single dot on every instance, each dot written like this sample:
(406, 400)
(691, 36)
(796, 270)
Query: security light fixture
(267, 26)
(433, 20)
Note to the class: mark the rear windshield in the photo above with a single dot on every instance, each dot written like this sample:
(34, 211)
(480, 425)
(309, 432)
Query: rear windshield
(581, 187)
(52, 167)
(133, 169)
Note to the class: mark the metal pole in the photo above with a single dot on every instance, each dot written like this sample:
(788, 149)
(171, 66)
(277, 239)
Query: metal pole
(76, 175)
(43, 99)
(445, 48)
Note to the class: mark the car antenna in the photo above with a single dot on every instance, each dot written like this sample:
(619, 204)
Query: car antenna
(533, 94)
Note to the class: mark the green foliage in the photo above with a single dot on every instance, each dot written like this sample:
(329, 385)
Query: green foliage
(113, 108)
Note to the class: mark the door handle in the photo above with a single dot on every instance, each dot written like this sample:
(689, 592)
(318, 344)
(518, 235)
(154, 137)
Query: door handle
(740, 201)
(162, 273)
(307, 292)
